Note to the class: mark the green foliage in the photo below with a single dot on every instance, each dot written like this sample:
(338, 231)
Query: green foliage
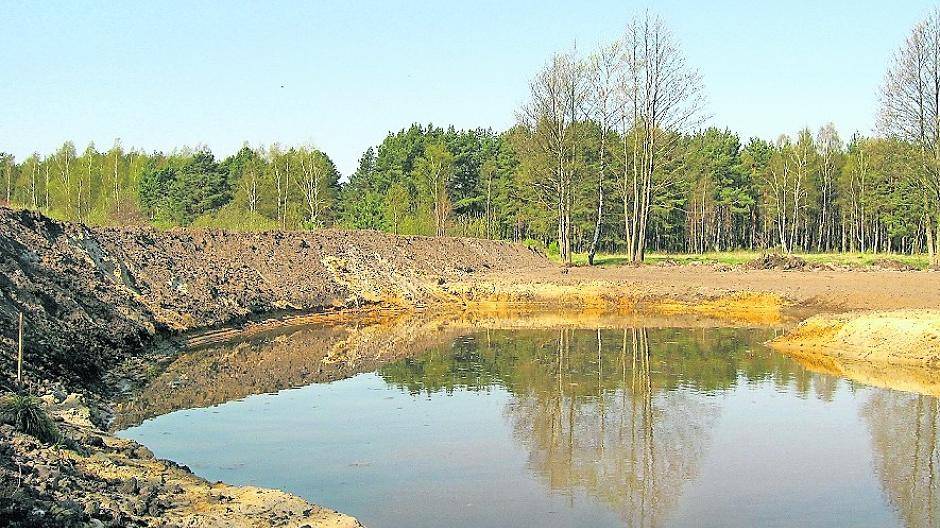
(26, 415)
(798, 194)
(199, 186)
(232, 218)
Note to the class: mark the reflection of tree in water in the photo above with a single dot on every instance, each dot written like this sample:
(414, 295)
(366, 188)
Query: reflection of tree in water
(632, 446)
(620, 415)
(905, 435)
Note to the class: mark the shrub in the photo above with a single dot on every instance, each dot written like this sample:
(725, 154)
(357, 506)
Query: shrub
(25, 413)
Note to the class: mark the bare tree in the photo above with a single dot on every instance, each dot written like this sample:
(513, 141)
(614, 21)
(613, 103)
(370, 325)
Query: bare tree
(663, 97)
(910, 110)
(557, 97)
(604, 71)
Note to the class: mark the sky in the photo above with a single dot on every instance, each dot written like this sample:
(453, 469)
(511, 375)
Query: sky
(341, 75)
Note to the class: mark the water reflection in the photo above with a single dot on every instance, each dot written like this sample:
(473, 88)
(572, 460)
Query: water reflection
(626, 446)
(618, 414)
(274, 361)
(905, 435)
(627, 417)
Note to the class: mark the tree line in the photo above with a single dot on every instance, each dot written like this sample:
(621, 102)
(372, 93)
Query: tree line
(608, 153)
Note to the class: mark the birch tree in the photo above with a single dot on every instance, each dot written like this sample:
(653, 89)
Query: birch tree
(910, 110)
(830, 150)
(314, 182)
(604, 71)
(663, 97)
(435, 169)
(7, 164)
(557, 97)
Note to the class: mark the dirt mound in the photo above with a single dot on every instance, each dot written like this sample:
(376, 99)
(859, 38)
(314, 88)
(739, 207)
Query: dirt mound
(893, 265)
(776, 261)
(92, 296)
(901, 337)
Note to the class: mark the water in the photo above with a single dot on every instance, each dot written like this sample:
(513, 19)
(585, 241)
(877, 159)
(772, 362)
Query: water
(616, 427)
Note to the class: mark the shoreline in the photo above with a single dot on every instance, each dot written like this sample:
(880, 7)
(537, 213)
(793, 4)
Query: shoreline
(106, 306)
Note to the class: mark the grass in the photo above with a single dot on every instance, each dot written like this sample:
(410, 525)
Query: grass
(25, 413)
(737, 258)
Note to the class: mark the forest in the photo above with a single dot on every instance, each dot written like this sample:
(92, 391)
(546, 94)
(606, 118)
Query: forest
(610, 153)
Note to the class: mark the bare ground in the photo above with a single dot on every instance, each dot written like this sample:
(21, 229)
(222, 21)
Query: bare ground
(96, 300)
(830, 291)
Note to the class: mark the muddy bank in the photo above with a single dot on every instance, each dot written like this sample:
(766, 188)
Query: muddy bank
(94, 296)
(108, 481)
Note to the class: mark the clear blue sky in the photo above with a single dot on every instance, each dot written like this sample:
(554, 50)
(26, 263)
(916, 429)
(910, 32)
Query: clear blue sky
(165, 74)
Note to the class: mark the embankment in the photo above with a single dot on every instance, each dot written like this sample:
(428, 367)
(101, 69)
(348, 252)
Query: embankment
(95, 297)
(91, 297)
(900, 337)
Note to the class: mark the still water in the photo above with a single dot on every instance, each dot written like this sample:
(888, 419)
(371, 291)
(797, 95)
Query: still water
(555, 428)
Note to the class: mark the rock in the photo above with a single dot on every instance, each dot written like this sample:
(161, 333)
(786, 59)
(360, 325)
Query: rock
(91, 508)
(93, 440)
(72, 401)
(128, 486)
(148, 491)
(139, 506)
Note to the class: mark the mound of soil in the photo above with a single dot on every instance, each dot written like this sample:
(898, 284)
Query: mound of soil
(893, 265)
(900, 337)
(776, 261)
(93, 296)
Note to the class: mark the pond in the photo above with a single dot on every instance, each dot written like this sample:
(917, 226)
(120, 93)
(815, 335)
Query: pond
(637, 426)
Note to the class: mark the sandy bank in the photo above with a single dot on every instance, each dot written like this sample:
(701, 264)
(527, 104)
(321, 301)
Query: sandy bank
(899, 337)
(819, 290)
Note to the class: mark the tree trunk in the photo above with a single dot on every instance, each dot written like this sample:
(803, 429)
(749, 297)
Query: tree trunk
(600, 204)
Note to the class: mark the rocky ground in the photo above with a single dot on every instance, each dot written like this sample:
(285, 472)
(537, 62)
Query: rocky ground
(94, 479)
(93, 297)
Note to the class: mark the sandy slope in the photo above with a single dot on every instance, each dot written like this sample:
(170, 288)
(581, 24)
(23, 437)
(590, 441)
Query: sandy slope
(899, 337)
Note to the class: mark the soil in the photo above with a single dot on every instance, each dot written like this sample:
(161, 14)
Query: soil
(901, 337)
(92, 297)
(830, 291)
(104, 305)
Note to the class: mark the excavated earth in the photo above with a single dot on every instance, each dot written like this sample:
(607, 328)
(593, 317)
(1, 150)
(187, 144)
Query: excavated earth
(103, 305)
(95, 300)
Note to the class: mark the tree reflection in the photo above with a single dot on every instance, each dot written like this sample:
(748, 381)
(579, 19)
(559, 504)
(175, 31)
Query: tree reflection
(622, 416)
(904, 431)
(631, 446)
